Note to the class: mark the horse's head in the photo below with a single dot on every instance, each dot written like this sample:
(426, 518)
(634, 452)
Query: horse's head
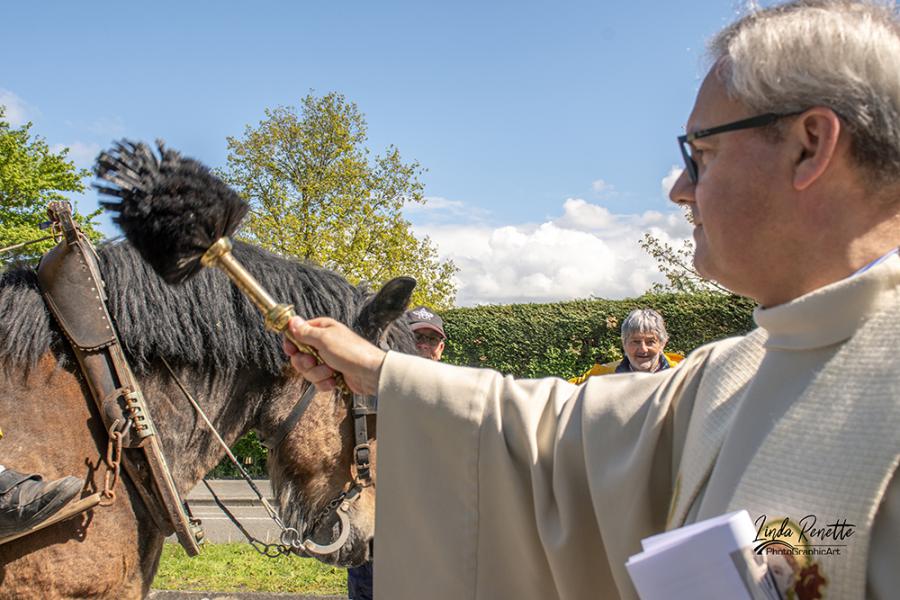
(314, 463)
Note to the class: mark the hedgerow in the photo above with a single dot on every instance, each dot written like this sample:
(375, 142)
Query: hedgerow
(565, 338)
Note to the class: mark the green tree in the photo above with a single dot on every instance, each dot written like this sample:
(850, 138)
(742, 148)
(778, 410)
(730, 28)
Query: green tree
(677, 264)
(32, 175)
(316, 195)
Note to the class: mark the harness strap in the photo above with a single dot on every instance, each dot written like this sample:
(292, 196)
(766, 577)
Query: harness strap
(74, 292)
(363, 406)
(292, 419)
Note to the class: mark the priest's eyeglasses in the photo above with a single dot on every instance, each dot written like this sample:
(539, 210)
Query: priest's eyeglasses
(684, 141)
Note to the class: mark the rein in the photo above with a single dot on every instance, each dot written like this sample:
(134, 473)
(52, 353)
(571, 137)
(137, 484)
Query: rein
(23, 244)
(292, 419)
(292, 540)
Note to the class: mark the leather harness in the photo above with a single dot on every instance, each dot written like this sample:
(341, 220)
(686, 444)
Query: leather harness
(74, 292)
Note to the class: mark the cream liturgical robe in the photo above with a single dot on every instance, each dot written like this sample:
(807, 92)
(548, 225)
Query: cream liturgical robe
(492, 488)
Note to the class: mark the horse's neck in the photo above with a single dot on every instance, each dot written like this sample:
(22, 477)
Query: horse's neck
(230, 402)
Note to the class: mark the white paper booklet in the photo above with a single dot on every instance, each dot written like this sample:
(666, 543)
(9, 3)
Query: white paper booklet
(710, 559)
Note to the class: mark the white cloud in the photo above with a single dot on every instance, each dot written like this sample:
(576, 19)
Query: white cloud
(80, 153)
(602, 188)
(18, 112)
(587, 251)
(583, 216)
(668, 182)
(443, 210)
(438, 203)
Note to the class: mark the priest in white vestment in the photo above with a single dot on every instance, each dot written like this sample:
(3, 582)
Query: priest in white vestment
(493, 488)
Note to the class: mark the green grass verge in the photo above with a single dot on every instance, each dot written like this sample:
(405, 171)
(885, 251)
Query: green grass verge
(239, 568)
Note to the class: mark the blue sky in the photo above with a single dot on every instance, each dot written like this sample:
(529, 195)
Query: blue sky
(547, 128)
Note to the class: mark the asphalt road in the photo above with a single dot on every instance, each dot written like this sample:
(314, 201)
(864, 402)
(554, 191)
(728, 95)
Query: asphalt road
(242, 502)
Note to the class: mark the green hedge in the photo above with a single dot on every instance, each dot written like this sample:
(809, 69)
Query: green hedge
(564, 339)
(561, 339)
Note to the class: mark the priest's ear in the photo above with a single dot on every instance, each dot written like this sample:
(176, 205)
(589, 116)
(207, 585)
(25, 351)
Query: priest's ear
(815, 138)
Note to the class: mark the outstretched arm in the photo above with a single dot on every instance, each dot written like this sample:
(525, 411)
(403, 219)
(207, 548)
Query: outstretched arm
(533, 489)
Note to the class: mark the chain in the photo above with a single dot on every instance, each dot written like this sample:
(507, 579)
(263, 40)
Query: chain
(291, 538)
(269, 550)
(113, 462)
(327, 510)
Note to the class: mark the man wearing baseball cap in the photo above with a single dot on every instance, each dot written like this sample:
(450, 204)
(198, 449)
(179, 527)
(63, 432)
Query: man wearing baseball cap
(429, 330)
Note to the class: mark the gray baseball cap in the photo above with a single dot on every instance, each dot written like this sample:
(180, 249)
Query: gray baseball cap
(422, 317)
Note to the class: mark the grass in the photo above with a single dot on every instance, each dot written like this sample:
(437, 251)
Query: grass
(239, 568)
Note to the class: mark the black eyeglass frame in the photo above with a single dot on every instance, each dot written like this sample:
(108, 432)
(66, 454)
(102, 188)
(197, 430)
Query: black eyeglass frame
(431, 340)
(684, 141)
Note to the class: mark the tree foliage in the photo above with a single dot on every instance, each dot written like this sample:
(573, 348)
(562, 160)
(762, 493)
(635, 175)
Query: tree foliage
(31, 176)
(677, 264)
(316, 195)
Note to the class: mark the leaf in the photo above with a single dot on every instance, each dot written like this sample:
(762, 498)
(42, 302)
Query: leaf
(677, 264)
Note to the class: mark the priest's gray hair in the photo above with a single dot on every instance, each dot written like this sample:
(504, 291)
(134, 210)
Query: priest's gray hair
(644, 320)
(840, 54)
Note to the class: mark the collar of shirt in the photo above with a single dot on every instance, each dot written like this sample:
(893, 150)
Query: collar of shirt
(877, 261)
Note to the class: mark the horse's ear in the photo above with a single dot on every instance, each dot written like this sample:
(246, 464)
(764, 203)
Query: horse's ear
(385, 307)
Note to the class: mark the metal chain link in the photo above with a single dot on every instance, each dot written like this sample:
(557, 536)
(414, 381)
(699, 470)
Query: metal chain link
(273, 550)
(113, 461)
(269, 550)
(327, 510)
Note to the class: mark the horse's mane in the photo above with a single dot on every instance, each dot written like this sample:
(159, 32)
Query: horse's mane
(205, 321)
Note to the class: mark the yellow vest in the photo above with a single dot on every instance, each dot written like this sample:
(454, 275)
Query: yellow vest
(609, 368)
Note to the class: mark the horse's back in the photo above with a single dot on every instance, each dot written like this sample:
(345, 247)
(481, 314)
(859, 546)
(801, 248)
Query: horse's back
(49, 428)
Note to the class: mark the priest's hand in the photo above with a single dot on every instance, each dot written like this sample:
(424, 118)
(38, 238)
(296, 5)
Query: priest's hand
(342, 350)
